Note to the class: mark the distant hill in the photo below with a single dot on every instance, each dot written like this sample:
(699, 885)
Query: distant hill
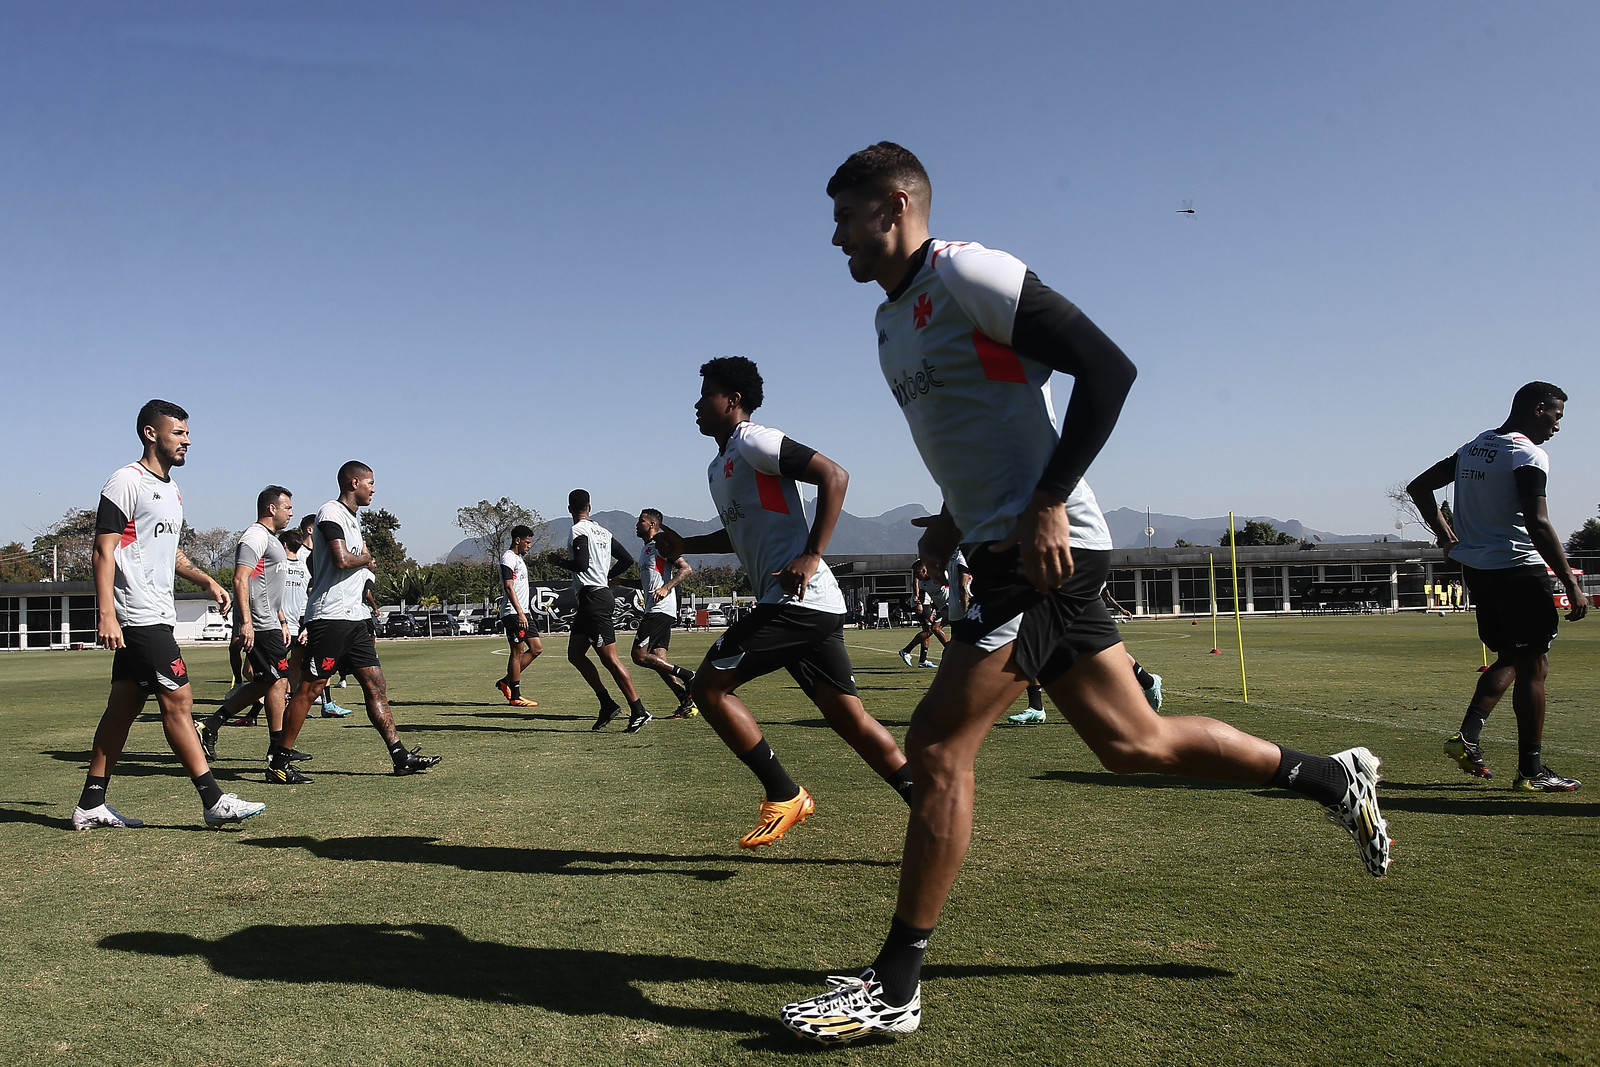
(892, 531)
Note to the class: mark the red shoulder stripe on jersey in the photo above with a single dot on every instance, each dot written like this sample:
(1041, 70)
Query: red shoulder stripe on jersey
(129, 535)
(770, 486)
(1000, 364)
(260, 568)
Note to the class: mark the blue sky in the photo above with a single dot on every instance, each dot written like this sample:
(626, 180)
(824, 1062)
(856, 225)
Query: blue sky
(485, 247)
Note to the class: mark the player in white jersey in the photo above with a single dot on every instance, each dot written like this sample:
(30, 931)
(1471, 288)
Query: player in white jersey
(1504, 542)
(136, 554)
(340, 636)
(967, 341)
(654, 636)
(524, 641)
(260, 619)
(595, 559)
(798, 621)
(933, 606)
(300, 562)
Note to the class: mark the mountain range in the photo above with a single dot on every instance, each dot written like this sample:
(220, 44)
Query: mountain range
(892, 532)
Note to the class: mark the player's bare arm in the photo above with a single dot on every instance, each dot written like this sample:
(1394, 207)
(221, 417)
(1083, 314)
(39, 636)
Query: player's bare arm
(831, 481)
(345, 560)
(706, 544)
(1548, 543)
(680, 571)
(105, 575)
(939, 540)
(188, 570)
(241, 596)
(1421, 491)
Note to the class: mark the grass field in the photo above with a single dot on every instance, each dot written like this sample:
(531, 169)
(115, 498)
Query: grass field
(550, 895)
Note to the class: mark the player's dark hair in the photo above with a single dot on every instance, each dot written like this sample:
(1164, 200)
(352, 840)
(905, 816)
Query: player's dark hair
(735, 374)
(352, 469)
(881, 169)
(294, 537)
(654, 514)
(520, 530)
(1532, 395)
(577, 500)
(268, 497)
(306, 522)
(154, 409)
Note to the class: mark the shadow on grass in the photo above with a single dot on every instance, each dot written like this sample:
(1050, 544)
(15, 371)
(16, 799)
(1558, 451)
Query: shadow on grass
(523, 715)
(535, 860)
(462, 727)
(1474, 798)
(1157, 781)
(38, 818)
(146, 764)
(822, 724)
(436, 959)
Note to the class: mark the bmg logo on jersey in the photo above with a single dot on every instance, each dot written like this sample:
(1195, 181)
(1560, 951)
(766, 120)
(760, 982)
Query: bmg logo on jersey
(913, 384)
(1485, 454)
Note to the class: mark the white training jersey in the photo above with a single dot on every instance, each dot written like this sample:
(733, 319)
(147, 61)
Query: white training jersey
(335, 591)
(296, 579)
(933, 592)
(653, 568)
(1488, 508)
(980, 413)
(514, 567)
(261, 551)
(599, 554)
(760, 508)
(146, 512)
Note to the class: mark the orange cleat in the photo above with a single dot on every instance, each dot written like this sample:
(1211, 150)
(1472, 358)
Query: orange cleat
(505, 689)
(777, 818)
(524, 702)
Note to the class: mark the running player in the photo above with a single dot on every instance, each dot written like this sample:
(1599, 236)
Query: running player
(260, 620)
(340, 637)
(1504, 542)
(135, 556)
(596, 559)
(297, 656)
(967, 340)
(798, 621)
(1149, 683)
(661, 613)
(525, 643)
(933, 604)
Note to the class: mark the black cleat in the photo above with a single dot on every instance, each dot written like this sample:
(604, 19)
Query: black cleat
(208, 741)
(606, 715)
(637, 720)
(286, 775)
(412, 763)
(294, 755)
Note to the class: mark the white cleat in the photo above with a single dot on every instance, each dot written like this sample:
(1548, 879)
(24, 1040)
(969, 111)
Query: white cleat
(1358, 811)
(906, 656)
(853, 1008)
(229, 808)
(104, 815)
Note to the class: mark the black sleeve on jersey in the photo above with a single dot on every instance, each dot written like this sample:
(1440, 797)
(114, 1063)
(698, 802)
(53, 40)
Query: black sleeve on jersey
(621, 560)
(793, 458)
(1530, 480)
(331, 532)
(580, 556)
(506, 573)
(109, 519)
(1050, 329)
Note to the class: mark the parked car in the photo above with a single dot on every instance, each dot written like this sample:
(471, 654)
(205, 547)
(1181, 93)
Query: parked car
(715, 617)
(399, 624)
(441, 624)
(216, 630)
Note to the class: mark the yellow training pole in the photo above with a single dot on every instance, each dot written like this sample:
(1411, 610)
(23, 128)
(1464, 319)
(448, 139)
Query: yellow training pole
(1238, 621)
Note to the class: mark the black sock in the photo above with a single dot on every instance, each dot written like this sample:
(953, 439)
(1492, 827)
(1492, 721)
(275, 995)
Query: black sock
(1145, 680)
(210, 791)
(274, 740)
(683, 674)
(774, 779)
(215, 721)
(606, 703)
(516, 689)
(397, 751)
(900, 781)
(908, 648)
(1472, 724)
(1035, 698)
(1319, 777)
(94, 791)
(899, 962)
(1530, 761)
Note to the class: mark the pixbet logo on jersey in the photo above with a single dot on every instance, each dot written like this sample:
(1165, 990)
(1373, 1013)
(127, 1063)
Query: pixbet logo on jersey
(913, 384)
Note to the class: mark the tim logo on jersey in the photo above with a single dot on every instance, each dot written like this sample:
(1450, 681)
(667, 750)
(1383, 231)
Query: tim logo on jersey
(913, 384)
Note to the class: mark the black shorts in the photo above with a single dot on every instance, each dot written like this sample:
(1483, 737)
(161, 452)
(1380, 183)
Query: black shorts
(655, 631)
(1050, 630)
(150, 656)
(808, 644)
(339, 646)
(594, 618)
(516, 633)
(1516, 607)
(269, 656)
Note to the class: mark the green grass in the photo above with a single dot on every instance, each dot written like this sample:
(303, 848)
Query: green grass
(553, 896)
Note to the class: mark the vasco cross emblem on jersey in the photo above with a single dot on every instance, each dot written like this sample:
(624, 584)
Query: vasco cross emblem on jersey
(922, 311)
(178, 669)
(727, 468)
(327, 663)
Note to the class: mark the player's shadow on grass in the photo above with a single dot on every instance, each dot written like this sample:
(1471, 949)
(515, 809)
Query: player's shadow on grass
(823, 724)
(38, 818)
(1155, 781)
(436, 959)
(145, 764)
(1473, 798)
(499, 859)
(462, 727)
(524, 716)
